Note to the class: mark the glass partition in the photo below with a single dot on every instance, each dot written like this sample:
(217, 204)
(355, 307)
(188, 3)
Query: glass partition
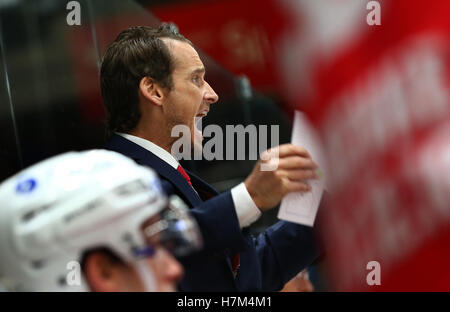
(50, 94)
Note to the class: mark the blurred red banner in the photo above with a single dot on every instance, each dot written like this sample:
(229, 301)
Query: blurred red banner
(380, 100)
(242, 36)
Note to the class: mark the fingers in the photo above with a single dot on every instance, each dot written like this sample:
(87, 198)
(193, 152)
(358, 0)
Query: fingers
(296, 186)
(289, 157)
(296, 180)
(301, 174)
(296, 162)
(288, 150)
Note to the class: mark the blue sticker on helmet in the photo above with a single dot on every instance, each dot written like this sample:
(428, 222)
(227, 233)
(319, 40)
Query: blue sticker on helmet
(26, 186)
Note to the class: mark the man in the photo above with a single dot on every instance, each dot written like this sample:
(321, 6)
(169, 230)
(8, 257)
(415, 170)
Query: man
(91, 221)
(153, 80)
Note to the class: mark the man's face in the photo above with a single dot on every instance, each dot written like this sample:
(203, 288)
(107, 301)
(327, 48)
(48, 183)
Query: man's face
(165, 272)
(191, 96)
(106, 274)
(166, 269)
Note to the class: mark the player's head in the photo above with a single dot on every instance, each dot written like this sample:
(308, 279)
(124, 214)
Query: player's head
(91, 220)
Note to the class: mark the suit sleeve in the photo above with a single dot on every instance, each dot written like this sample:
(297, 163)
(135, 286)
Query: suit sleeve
(283, 250)
(219, 224)
(286, 248)
(217, 221)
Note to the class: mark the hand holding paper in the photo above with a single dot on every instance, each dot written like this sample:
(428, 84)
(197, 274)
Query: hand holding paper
(301, 207)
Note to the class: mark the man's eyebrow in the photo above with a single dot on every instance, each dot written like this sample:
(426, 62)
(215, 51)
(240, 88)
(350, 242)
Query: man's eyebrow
(200, 70)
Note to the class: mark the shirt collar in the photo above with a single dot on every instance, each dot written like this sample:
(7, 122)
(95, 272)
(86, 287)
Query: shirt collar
(153, 148)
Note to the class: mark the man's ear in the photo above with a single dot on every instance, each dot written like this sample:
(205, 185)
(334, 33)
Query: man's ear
(102, 273)
(151, 91)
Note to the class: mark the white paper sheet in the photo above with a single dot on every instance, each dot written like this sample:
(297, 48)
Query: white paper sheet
(302, 207)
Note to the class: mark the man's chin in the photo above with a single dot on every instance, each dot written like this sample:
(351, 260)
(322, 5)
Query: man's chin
(197, 147)
(167, 288)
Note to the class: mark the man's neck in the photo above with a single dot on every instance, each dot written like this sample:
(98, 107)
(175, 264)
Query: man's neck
(156, 135)
(162, 142)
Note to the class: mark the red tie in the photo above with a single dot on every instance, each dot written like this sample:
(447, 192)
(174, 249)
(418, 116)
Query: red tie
(184, 174)
(235, 263)
(236, 259)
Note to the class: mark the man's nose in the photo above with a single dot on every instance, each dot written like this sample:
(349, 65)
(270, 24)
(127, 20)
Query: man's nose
(210, 95)
(172, 268)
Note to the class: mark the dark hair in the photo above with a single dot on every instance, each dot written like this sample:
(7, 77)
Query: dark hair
(136, 53)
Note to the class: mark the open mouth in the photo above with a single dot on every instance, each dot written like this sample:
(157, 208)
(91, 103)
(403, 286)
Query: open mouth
(202, 114)
(198, 125)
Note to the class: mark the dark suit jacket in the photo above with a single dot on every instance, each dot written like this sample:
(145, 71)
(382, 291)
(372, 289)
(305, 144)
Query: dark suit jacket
(267, 262)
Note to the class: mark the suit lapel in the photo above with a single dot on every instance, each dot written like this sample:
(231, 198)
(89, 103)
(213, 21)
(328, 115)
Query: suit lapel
(147, 158)
(204, 190)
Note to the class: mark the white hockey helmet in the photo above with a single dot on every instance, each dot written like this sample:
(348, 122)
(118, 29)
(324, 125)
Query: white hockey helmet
(54, 211)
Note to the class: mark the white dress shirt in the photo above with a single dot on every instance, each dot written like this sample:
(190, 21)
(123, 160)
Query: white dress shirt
(246, 210)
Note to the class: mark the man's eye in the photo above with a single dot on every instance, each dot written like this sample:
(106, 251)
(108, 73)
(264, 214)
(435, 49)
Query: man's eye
(197, 80)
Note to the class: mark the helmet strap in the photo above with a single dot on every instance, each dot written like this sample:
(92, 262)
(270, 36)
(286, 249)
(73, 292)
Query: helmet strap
(146, 275)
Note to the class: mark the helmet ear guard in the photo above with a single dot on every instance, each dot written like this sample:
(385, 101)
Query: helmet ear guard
(54, 211)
